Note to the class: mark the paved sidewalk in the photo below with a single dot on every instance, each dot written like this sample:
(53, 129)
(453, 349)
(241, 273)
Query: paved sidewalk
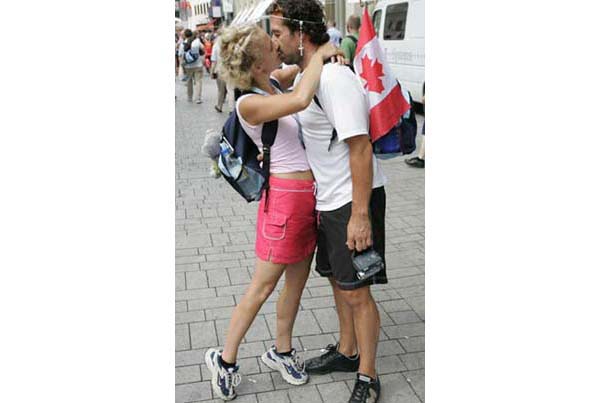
(214, 262)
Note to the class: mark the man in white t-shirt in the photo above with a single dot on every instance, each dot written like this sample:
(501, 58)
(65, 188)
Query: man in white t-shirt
(195, 69)
(350, 193)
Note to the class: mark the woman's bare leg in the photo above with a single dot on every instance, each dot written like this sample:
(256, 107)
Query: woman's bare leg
(289, 300)
(263, 282)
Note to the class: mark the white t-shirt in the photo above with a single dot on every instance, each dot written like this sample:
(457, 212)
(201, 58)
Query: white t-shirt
(344, 101)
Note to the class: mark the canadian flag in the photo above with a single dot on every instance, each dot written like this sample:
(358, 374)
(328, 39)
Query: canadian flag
(386, 102)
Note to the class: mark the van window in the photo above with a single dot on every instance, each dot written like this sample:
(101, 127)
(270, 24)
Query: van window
(395, 21)
(376, 21)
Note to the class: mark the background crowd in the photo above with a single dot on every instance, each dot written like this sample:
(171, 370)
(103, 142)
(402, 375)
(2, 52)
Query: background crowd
(198, 42)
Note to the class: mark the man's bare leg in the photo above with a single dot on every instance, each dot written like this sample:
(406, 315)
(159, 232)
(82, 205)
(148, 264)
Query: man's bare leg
(366, 326)
(347, 338)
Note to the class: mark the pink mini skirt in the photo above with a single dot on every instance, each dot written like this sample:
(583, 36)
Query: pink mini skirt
(286, 231)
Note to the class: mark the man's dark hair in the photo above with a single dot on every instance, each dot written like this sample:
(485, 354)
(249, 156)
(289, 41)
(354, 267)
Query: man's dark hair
(189, 38)
(309, 11)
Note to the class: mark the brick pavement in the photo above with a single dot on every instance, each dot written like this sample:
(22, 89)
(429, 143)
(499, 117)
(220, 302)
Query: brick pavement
(214, 263)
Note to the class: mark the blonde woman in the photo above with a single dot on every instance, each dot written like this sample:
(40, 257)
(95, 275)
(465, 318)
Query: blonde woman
(286, 226)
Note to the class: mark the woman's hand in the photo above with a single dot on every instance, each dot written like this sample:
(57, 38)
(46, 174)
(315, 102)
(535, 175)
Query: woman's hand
(329, 51)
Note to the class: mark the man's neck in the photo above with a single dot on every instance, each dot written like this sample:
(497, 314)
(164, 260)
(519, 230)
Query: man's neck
(309, 51)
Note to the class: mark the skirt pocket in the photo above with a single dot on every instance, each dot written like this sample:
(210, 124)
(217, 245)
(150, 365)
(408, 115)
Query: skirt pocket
(274, 226)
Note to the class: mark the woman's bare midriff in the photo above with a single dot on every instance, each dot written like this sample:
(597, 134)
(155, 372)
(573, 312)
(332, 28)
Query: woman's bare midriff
(305, 175)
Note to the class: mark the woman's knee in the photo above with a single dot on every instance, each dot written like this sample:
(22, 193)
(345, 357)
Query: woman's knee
(262, 291)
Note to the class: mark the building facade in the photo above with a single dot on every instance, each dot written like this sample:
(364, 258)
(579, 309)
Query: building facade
(193, 12)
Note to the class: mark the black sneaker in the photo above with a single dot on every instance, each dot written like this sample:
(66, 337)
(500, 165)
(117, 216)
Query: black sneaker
(415, 162)
(366, 390)
(331, 361)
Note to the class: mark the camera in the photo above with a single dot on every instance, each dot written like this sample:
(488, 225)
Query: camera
(366, 263)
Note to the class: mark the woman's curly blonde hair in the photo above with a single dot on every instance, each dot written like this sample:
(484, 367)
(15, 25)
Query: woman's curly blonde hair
(240, 49)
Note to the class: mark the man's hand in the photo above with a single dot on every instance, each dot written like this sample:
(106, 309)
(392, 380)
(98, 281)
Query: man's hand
(359, 232)
(361, 168)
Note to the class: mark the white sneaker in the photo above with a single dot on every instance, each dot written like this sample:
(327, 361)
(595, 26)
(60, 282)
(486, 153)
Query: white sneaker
(223, 381)
(291, 367)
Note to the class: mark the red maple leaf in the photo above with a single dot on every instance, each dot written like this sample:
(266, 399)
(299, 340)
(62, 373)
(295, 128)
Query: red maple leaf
(371, 73)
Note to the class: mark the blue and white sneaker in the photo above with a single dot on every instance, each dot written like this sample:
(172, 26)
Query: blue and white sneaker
(290, 367)
(223, 381)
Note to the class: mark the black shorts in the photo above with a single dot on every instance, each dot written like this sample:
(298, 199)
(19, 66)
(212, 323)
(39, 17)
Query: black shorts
(334, 259)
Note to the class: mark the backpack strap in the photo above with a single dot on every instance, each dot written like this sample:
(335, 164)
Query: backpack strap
(275, 84)
(334, 132)
(269, 131)
(352, 38)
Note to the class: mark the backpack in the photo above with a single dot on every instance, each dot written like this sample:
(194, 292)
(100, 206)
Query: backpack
(190, 56)
(401, 139)
(237, 160)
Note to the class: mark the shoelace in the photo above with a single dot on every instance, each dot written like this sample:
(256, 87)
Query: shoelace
(232, 379)
(298, 362)
(360, 389)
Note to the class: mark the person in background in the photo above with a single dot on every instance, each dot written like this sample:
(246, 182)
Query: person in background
(335, 36)
(221, 86)
(180, 51)
(194, 70)
(208, 45)
(178, 40)
(176, 55)
(349, 42)
(419, 160)
(198, 31)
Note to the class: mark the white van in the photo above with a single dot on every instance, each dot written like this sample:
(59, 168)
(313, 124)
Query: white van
(400, 27)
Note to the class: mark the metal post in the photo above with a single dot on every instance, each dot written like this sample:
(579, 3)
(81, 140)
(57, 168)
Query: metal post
(340, 15)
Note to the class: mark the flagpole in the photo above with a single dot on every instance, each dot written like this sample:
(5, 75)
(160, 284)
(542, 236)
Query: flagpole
(364, 4)
(340, 13)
